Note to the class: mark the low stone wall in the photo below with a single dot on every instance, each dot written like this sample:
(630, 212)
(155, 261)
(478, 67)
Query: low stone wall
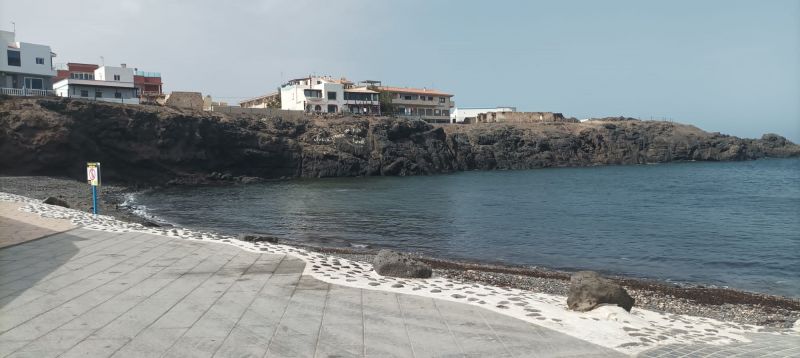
(258, 111)
(519, 117)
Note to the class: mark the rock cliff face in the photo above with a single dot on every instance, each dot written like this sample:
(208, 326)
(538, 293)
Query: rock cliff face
(155, 145)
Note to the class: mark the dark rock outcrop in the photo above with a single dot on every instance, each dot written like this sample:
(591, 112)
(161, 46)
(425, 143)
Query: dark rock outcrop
(257, 238)
(52, 200)
(587, 290)
(161, 145)
(395, 264)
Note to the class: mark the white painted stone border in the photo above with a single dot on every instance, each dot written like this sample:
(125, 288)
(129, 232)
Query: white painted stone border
(608, 326)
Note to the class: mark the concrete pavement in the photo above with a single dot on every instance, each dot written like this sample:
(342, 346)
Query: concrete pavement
(99, 294)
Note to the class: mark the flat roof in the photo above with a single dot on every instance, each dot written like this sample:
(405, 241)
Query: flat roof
(414, 90)
(360, 90)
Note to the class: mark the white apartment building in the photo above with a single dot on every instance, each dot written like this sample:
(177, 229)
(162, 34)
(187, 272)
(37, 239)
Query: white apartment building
(25, 68)
(108, 83)
(459, 114)
(328, 95)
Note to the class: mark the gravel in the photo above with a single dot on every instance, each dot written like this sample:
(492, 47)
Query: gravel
(722, 304)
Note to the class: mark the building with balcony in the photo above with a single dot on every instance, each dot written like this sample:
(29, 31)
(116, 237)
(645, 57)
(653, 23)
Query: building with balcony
(148, 85)
(458, 115)
(26, 69)
(106, 83)
(427, 104)
(319, 94)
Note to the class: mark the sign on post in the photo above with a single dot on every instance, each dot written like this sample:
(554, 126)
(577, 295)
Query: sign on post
(93, 178)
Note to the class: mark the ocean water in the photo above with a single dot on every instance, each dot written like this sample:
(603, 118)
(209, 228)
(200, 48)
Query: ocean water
(732, 224)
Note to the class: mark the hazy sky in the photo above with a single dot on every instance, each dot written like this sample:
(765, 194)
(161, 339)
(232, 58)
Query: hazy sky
(728, 66)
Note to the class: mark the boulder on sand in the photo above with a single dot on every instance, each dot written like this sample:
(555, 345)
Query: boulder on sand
(52, 200)
(395, 264)
(587, 290)
(257, 238)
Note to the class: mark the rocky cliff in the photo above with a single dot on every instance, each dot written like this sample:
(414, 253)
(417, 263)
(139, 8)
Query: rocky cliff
(155, 145)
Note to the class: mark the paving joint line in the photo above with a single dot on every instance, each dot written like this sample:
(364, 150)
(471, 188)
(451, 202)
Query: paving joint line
(249, 304)
(101, 303)
(405, 326)
(210, 306)
(283, 315)
(178, 301)
(87, 291)
(145, 298)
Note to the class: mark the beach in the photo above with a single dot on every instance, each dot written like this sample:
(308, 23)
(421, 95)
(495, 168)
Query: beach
(736, 306)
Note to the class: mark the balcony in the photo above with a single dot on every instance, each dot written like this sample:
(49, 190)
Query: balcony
(26, 92)
(147, 74)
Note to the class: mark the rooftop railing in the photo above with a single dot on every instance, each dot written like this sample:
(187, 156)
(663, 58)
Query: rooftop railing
(147, 74)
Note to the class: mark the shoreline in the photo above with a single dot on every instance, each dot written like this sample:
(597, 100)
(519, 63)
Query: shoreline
(609, 326)
(724, 304)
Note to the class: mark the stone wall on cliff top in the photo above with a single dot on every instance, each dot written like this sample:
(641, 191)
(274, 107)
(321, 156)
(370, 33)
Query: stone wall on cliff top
(154, 145)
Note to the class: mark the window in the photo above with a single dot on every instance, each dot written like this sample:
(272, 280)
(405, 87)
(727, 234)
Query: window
(437, 112)
(116, 77)
(428, 111)
(332, 95)
(14, 58)
(40, 60)
(117, 95)
(317, 108)
(442, 99)
(355, 96)
(408, 98)
(98, 94)
(445, 112)
(33, 83)
(430, 98)
(332, 108)
(81, 76)
(84, 93)
(310, 93)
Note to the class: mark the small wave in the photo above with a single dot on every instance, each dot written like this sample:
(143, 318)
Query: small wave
(359, 246)
(130, 203)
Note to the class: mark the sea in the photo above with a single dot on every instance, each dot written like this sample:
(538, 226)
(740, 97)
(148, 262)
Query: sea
(718, 224)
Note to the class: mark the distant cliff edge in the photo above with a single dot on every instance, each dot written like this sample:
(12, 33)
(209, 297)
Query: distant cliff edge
(159, 145)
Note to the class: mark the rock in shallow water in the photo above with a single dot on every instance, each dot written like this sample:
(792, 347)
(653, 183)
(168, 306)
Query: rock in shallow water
(257, 238)
(587, 290)
(390, 263)
(52, 200)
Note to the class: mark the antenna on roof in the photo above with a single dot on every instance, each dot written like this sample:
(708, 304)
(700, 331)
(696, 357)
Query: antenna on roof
(102, 60)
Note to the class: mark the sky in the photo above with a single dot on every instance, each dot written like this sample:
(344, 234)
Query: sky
(725, 66)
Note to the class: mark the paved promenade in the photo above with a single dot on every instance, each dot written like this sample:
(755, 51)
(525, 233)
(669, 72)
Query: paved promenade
(84, 293)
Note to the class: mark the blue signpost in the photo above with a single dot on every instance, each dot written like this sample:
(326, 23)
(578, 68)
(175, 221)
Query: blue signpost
(93, 178)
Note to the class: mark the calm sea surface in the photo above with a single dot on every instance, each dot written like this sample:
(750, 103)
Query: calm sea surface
(733, 224)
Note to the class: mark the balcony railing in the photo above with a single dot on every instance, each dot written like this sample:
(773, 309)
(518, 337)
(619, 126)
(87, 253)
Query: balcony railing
(147, 74)
(26, 92)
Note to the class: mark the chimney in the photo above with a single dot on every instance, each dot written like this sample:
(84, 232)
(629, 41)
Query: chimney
(124, 65)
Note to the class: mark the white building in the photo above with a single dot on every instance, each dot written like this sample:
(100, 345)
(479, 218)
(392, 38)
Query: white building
(459, 114)
(25, 68)
(328, 95)
(109, 84)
